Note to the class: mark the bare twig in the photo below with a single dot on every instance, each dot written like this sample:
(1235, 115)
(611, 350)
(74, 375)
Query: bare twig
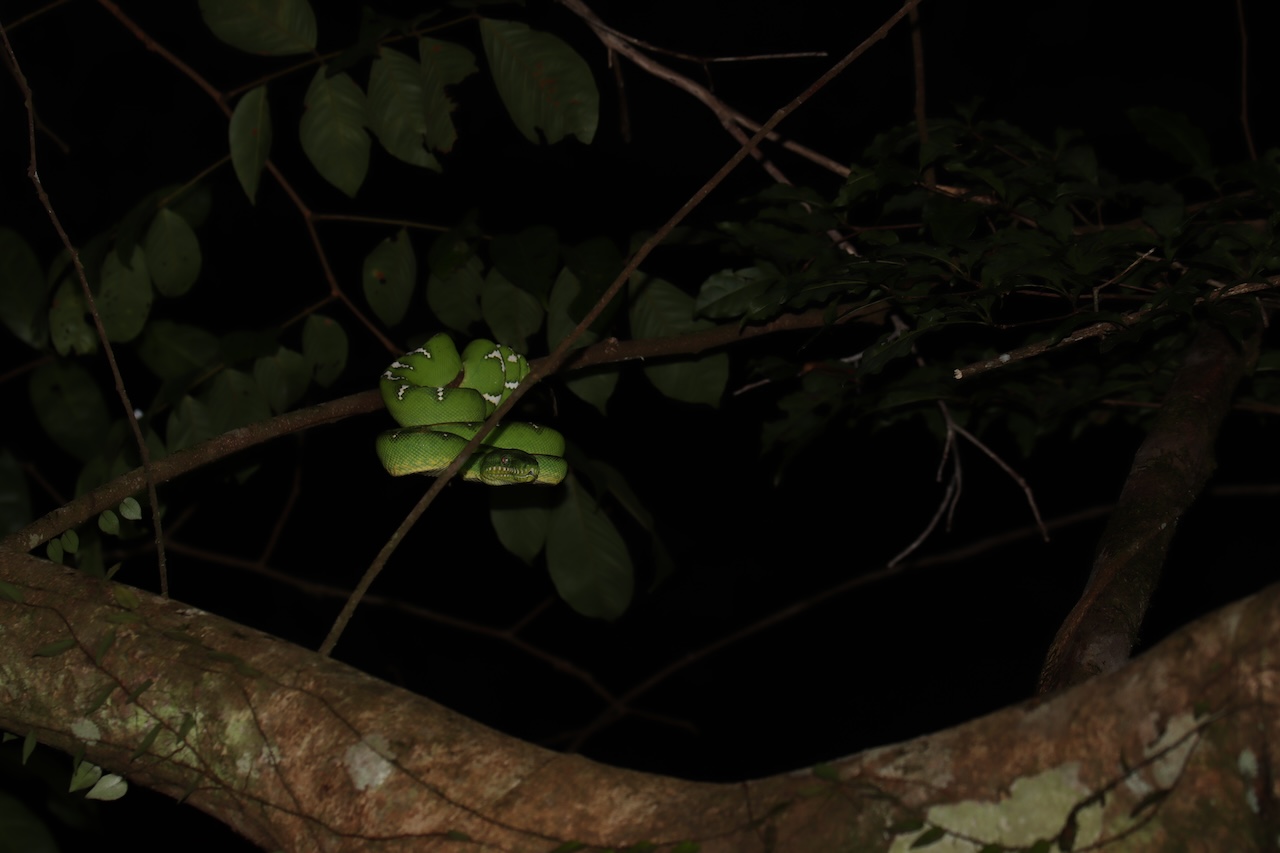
(33, 173)
(619, 43)
(1013, 475)
(920, 108)
(1098, 330)
(1244, 81)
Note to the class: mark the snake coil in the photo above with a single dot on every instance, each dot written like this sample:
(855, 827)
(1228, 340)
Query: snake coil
(441, 399)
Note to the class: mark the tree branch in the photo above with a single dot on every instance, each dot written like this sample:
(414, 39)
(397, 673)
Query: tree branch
(1169, 471)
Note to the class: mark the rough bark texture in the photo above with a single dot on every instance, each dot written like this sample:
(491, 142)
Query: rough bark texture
(1169, 471)
(300, 752)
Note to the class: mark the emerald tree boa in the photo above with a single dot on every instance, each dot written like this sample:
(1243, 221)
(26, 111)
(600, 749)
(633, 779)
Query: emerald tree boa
(441, 398)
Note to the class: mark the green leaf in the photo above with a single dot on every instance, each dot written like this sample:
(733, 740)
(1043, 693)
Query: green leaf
(324, 345)
(175, 350)
(54, 551)
(395, 108)
(28, 746)
(442, 63)
(283, 378)
(237, 401)
(544, 84)
(267, 27)
(84, 776)
(332, 131)
(932, 835)
(15, 498)
(126, 597)
(100, 698)
(9, 592)
(70, 326)
(172, 252)
(586, 557)
(103, 646)
(249, 135)
(659, 309)
(130, 509)
(22, 829)
(57, 647)
(189, 423)
(109, 787)
(511, 312)
(147, 742)
(520, 518)
(70, 541)
(454, 297)
(729, 294)
(529, 259)
(139, 690)
(389, 274)
(109, 523)
(124, 296)
(594, 386)
(70, 408)
(1173, 134)
(22, 290)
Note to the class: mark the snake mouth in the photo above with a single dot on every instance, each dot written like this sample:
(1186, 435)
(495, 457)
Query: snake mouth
(500, 469)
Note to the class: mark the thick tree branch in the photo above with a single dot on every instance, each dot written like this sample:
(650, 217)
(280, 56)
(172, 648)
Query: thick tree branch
(1169, 471)
(299, 752)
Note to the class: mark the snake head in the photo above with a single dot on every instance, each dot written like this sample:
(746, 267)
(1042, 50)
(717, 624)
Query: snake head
(499, 467)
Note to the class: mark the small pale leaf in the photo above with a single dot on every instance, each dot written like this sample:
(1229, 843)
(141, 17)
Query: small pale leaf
(109, 523)
(131, 509)
(84, 776)
(109, 787)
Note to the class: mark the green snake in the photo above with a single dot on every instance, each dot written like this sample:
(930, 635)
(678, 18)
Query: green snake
(441, 398)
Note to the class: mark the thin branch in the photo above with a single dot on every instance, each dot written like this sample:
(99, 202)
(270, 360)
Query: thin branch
(920, 109)
(33, 173)
(109, 494)
(1013, 475)
(1099, 330)
(626, 45)
(1244, 81)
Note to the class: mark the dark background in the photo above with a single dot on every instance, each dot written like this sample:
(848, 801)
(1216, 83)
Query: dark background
(923, 651)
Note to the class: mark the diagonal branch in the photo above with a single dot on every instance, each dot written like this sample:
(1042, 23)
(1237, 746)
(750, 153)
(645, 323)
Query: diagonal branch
(1169, 470)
